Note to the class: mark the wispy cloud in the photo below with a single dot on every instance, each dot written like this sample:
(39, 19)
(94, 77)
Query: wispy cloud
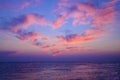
(98, 17)
(24, 22)
(60, 21)
(85, 13)
(32, 36)
(31, 3)
(79, 38)
(21, 5)
(19, 25)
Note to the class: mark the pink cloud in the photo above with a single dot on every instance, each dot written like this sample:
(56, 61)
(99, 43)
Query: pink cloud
(18, 26)
(63, 46)
(28, 4)
(63, 15)
(18, 7)
(104, 18)
(25, 21)
(85, 13)
(78, 12)
(78, 38)
(60, 21)
(34, 19)
(55, 53)
(60, 5)
(81, 14)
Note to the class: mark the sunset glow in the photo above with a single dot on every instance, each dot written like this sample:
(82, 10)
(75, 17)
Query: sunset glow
(59, 29)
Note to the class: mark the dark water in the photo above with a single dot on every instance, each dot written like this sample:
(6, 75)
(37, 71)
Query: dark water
(59, 71)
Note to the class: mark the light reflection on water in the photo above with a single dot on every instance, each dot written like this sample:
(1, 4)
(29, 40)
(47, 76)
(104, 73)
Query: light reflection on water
(59, 71)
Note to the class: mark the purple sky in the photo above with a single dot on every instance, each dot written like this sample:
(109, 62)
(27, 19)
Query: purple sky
(35, 30)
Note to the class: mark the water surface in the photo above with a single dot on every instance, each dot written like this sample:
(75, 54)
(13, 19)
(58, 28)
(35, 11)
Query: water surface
(59, 71)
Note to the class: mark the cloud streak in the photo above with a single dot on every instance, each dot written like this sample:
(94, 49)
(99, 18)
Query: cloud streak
(86, 13)
(32, 36)
(19, 27)
(24, 22)
(79, 38)
(98, 17)
(14, 6)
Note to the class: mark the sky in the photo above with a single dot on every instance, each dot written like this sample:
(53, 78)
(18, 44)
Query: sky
(59, 30)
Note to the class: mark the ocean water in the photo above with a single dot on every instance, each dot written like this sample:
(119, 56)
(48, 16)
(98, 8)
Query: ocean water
(59, 71)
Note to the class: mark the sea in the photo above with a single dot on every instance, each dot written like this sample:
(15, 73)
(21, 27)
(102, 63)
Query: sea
(59, 71)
